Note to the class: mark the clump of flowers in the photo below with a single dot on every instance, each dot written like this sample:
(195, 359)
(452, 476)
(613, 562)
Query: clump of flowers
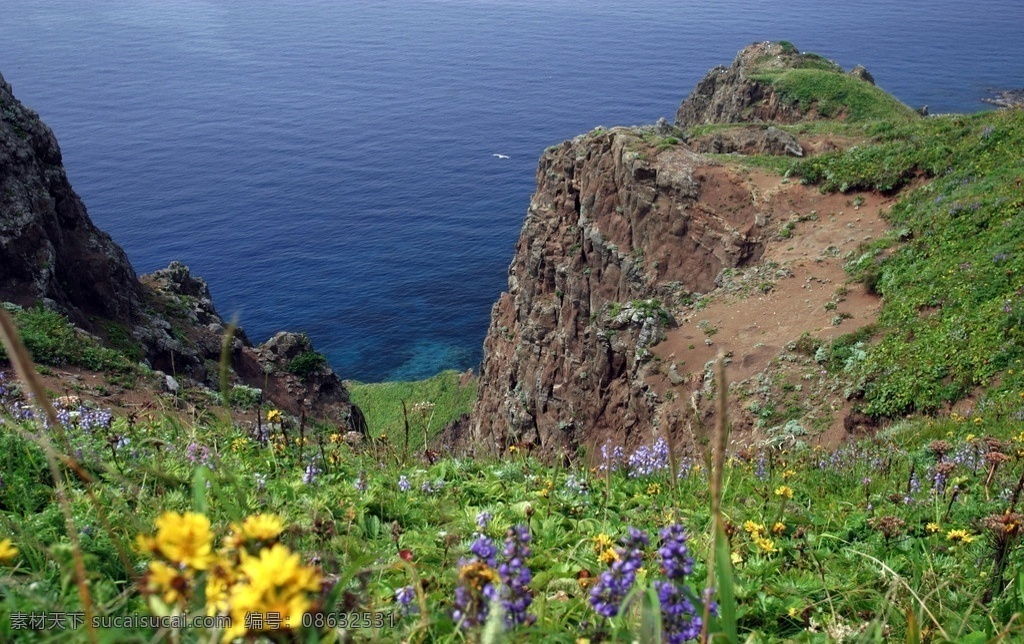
(611, 588)
(759, 535)
(611, 457)
(516, 595)
(648, 460)
(252, 578)
(679, 618)
(484, 581)
(959, 536)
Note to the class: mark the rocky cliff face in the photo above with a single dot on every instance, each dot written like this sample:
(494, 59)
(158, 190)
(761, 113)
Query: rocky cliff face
(626, 227)
(623, 225)
(52, 253)
(50, 249)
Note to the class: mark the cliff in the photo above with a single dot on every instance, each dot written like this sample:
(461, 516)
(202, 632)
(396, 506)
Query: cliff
(50, 249)
(603, 333)
(52, 254)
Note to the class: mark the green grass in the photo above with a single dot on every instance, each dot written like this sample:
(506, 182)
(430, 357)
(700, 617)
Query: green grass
(837, 94)
(951, 272)
(382, 404)
(834, 563)
(52, 340)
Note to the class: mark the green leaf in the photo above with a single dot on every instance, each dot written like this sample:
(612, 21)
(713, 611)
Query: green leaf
(199, 501)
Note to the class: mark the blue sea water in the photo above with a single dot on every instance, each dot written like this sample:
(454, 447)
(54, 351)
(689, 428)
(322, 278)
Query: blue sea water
(328, 165)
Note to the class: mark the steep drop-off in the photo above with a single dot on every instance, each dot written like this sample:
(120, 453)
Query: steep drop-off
(627, 227)
(52, 254)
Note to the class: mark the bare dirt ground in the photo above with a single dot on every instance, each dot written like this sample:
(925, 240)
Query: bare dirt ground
(757, 314)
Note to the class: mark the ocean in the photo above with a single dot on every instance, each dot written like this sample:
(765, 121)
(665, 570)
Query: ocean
(329, 166)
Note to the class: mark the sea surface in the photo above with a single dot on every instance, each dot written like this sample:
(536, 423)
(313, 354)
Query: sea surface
(329, 166)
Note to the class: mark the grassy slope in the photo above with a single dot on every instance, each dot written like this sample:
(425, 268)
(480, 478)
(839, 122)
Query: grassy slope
(382, 404)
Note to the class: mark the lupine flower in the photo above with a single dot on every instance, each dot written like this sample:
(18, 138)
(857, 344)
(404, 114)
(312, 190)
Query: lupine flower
(405, 597)
(404, 484)
(614, 583)
(645, 461)
(485, 550)
(611, 459)
(515, 576)
(477, 587)
(483, 518)
(312, 471)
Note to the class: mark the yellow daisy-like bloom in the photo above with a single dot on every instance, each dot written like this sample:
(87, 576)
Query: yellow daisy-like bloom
(784, 491)
(753, 528)
(262, 527)
(608, 556)
(654, 488)
(274, 416)
(273, 582)
(932, 528)
(218, 589)
(602, 542)
(171, 584)
(184, 539)
(766, 545)
(959, 536)
(8, 551)
(788, 474)
(778, 528)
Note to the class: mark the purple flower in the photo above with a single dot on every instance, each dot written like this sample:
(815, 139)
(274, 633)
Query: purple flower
(611, 459)
(485, 550)
(614, 584)
(405, 596)
(483, 518)
(516, 595)
(679, 618)
(404, 484)
(312, 471)
(645, 461)
(360, 484)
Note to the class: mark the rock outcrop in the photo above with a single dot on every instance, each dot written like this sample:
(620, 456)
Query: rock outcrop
(624, 223)
(625, 228)
(743, 92)
(50, 251)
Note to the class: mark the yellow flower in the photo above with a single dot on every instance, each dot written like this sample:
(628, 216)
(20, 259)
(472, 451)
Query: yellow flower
(977, 421)
(273, 582)
(8, 551)
(779, 527)
(932, 528)
(218, 589)
(602, 542)
(171, 584)
(512, 449)
(654, 488)
(736, 558)
(477, 575)
(183, 539)
(784, 491)
(262, 527)
(753, 529)
(793, 611)
(765, 544)
(788, 474)
(960, 536)
(274, 416)
(608, 556)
